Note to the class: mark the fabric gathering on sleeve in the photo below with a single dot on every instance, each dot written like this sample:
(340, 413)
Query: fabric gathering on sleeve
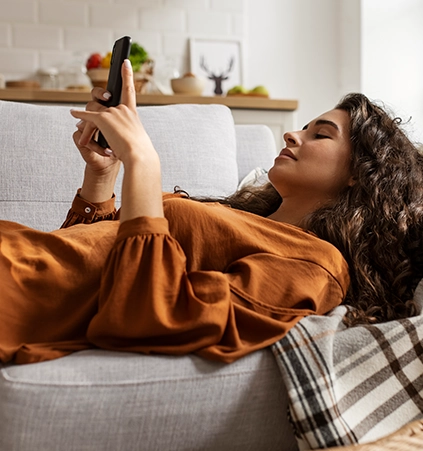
(85, 212)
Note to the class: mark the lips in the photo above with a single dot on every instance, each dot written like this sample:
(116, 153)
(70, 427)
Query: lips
(287, 154)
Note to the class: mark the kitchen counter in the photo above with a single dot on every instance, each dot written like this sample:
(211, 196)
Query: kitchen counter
(278, 114)
(69, 96)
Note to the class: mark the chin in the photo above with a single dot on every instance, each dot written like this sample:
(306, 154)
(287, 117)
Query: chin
(272, 175)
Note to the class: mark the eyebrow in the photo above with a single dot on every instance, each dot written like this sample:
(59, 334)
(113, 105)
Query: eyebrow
(324, 122)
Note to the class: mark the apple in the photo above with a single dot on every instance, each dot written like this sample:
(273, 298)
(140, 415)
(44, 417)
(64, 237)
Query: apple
(238, 89)
(94, 61)
(260, 90)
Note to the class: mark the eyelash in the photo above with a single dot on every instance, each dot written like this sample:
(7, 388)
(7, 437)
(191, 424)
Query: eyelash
(319, 136)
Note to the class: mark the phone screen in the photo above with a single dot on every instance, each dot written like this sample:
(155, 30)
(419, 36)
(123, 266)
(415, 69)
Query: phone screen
(121, 51)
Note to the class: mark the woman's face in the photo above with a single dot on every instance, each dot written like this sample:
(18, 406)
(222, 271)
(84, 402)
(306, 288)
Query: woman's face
(315, 164)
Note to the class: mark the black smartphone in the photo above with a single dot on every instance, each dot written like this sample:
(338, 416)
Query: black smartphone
(121, 51)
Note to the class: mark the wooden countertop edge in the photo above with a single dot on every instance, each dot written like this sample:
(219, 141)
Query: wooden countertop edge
(63, 96)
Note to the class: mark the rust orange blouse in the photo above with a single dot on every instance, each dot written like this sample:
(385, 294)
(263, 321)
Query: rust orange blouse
(207, 279)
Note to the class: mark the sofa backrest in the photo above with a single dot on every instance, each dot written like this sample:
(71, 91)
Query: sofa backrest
(41, 169)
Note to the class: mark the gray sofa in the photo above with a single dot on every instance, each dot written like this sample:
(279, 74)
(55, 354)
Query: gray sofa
(99, 400)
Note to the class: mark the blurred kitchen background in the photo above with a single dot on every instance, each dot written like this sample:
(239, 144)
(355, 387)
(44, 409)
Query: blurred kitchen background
(314, 51)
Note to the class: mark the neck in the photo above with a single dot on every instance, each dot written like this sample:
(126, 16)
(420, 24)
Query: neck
(293, 211)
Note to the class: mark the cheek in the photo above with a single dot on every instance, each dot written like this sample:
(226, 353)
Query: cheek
(327, 170)
(341, 172)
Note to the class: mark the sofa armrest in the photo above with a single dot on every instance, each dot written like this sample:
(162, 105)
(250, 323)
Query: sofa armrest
(256, 148)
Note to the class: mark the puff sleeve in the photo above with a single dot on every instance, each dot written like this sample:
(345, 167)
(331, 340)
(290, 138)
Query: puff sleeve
(148, 301)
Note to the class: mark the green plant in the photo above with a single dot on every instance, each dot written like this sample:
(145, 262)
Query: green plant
(138, 56)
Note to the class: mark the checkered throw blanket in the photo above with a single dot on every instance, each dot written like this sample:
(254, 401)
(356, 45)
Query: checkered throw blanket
(351, 385)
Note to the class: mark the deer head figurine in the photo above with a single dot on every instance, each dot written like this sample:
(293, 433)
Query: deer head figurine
(215, 77)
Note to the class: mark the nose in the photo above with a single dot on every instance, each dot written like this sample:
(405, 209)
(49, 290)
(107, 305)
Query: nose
(291, 138)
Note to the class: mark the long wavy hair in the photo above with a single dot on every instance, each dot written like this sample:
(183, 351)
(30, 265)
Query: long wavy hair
(376, 223)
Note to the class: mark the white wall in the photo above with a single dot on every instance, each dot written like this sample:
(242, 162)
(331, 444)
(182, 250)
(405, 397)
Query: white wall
(42, 33)
(318, 50)
(314, 51)
(392, 57)
(293, 49)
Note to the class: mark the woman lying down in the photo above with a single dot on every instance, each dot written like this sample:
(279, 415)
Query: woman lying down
(220, 278)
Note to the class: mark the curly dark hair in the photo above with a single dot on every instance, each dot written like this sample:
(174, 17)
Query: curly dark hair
(376, 223)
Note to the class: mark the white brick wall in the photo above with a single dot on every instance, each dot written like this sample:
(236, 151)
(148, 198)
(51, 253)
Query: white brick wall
(37, 34)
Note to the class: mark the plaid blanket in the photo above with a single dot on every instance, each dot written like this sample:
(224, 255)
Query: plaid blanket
(351, 385)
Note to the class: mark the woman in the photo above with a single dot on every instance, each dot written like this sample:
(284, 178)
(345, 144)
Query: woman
(177, 276)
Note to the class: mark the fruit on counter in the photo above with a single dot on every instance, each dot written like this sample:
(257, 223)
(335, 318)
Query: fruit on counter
(105, 62)
(94, 61)
(259, 90)
(138, 57)
(238, 89)
(241, 90)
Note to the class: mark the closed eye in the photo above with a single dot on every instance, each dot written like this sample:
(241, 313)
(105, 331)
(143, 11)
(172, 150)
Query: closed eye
(319, 136)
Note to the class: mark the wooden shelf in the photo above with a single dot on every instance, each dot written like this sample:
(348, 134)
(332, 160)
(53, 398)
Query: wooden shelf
(68, 96)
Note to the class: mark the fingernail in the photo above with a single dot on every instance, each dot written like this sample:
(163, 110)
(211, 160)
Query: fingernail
(107, 95)
(108, 151)
(127, 63)
(79, 123)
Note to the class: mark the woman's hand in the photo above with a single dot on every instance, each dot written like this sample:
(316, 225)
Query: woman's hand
(129, 143)
(120, 125)
(101, 168)
(91, 152)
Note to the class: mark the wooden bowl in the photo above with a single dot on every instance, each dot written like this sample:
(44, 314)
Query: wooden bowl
(98, 77)
(188, 85)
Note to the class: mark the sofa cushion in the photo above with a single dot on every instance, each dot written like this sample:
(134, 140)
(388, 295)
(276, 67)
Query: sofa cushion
(40, 167)
(101, 400)
(256, 148)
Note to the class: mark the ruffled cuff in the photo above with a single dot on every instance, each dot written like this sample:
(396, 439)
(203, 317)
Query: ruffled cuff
(84, 212)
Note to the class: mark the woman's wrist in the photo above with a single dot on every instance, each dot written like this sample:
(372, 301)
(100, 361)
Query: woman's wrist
(141, 188)
(98, 186)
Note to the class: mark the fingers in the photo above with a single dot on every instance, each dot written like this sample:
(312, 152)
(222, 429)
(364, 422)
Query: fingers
(88, 129)
(91, 146)
(87, 119)
(128, 97)
(84, 115)
(86, 126)
(100, 94)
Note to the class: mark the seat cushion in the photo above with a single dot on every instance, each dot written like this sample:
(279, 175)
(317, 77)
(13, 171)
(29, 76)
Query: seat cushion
(101, 400)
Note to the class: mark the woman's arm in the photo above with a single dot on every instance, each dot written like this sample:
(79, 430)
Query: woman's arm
(130, 144)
